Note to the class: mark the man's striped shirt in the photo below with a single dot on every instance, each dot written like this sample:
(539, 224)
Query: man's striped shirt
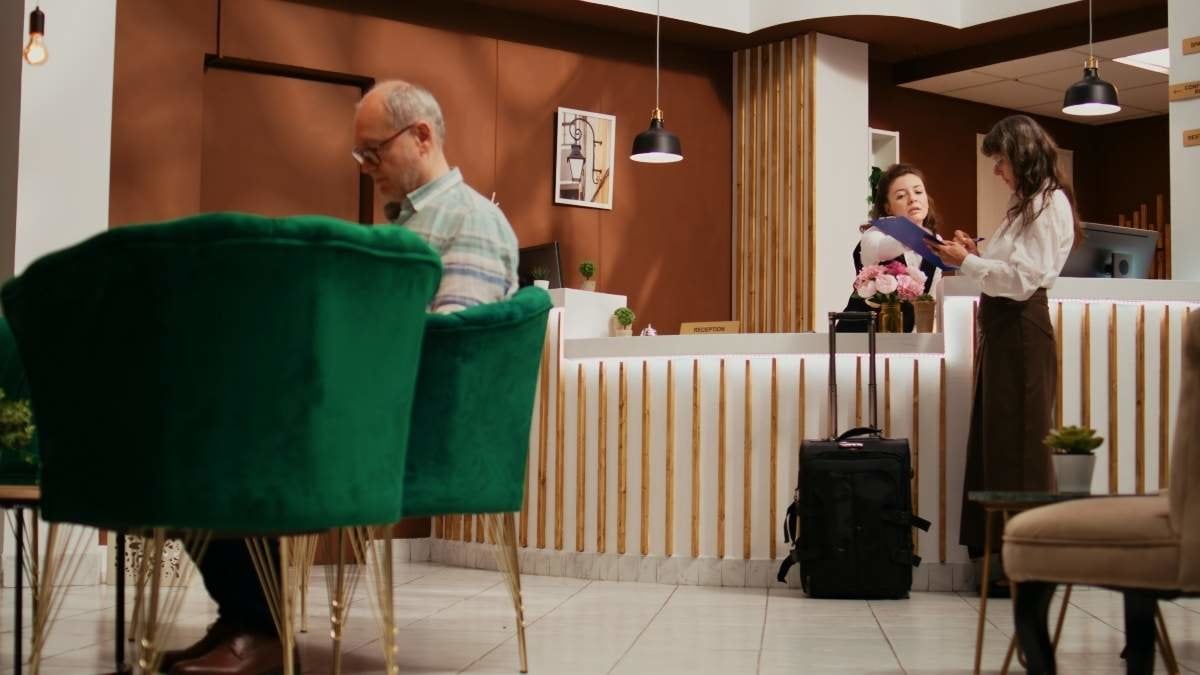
(470, 233)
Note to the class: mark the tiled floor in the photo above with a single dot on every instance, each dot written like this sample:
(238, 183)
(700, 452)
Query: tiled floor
(458, 620)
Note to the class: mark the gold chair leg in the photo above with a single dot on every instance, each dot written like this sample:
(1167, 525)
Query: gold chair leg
(341, 580)
(1164, 643)
(156, 606)
(280, 583)
(502, 529)
(64, 553)
(303, 557)
(373, 548)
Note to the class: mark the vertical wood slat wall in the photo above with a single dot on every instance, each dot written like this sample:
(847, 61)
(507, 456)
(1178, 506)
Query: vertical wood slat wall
(773, 242)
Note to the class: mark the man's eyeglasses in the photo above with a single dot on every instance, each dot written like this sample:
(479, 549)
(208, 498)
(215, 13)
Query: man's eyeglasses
(370, 155)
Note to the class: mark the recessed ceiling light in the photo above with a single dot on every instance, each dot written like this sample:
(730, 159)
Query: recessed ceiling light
(1158, 60)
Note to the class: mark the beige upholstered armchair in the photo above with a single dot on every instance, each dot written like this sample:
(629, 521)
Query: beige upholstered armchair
(1148, 547)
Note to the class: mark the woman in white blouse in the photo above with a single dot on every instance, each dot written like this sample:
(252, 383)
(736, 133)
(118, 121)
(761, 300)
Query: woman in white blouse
(1015, 368)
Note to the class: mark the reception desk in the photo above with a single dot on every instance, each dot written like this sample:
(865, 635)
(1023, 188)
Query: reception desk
(673, 459)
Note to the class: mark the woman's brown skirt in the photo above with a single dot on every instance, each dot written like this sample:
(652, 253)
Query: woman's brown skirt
(1015, 377)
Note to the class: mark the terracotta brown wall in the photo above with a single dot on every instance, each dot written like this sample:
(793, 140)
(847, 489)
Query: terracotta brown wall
(1135, 164)
(665, 243)
(1114, 163)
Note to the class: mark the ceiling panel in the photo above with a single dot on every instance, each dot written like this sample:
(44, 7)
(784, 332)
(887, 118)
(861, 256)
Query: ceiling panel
(1030, 65)
(1121, 75)
(1008, 94)
(952, 81)
(1153, 97)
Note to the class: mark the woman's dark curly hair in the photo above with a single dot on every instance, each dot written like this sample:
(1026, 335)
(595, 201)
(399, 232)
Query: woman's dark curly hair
(1033, 156)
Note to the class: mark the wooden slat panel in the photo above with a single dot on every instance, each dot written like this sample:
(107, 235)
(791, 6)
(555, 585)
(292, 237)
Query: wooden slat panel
(1114, 438)
(695, 458)
(669, 509)
(774, 470)
(916, 446)
(560, 441)
(1164, 400)
(1058, 359)
(580, 457)
(622, 455)
(943, 534)
(1140, 404)
(645, 510)
(543, 456)
(721, 421)
(1085, 367)
(602, 463)
(747, 457)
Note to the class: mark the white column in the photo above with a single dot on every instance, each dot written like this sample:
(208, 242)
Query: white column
(65, 131)
(840, 187)
(1183, 21)
(11, 25)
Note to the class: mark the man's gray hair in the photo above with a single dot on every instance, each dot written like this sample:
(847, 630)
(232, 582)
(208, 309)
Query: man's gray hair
(406, 103)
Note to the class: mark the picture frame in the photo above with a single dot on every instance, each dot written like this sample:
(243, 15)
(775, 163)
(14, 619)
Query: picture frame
(584, 153)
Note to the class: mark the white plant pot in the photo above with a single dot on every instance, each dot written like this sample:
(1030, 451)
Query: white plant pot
(542, 283)
(622, 332)
(589, 285)
(1073, 473)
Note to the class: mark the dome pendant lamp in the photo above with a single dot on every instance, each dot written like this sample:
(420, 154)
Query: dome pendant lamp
(1091, 96)
(656, 145)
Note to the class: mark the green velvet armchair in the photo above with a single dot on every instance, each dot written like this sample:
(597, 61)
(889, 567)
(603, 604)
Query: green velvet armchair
(469, 441)
(228, 374)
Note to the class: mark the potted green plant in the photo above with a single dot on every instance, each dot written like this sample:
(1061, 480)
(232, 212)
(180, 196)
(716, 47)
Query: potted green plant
(1073, 458)
(541, 277)
(18, 464)
(587, 269)
(623, 322)
(924, 310)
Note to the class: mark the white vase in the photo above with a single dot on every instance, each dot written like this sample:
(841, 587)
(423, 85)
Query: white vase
(622, 332)
(1073, 473)
(542, 283)
(589, 285)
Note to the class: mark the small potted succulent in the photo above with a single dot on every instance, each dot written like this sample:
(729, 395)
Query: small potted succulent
(541, 278)
(1073, 458)
(623, 322)
(924, 310)
(587, 269)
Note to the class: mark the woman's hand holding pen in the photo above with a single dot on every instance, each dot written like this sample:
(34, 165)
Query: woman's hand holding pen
(967, 241)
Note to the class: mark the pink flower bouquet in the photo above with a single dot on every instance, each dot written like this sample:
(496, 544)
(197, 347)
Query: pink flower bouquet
(893, 282)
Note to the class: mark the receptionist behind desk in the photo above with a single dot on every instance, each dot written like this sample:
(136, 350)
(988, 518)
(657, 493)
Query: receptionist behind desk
(900, 192)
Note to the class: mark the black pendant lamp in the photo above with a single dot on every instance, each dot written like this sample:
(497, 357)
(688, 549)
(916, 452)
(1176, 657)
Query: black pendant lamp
(1091, 96)
(656, 145)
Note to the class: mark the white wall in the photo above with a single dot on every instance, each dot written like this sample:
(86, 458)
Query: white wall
(1183, 20)
(840, 151)
(66, 130)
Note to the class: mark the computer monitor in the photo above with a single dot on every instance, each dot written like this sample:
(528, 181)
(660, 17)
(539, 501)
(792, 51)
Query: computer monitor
(544, 256)
(1112, 251)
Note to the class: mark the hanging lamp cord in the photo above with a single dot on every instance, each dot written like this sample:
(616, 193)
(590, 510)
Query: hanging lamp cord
(657, 33)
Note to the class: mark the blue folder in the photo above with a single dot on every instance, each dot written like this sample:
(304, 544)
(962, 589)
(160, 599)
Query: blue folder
(912, 236)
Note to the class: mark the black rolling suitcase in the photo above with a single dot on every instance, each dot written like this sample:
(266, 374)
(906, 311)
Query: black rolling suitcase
(853, 503)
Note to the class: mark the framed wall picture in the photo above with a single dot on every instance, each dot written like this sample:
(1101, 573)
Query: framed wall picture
(584, 152)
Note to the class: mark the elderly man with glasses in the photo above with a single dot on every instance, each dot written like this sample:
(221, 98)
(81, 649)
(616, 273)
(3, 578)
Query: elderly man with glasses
(399, 138)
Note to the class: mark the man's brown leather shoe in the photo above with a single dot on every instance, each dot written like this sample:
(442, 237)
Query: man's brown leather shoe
(217, 632)
(238, 654)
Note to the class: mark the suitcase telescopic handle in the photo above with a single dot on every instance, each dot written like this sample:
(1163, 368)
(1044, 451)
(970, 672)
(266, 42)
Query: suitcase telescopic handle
(834, 317)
